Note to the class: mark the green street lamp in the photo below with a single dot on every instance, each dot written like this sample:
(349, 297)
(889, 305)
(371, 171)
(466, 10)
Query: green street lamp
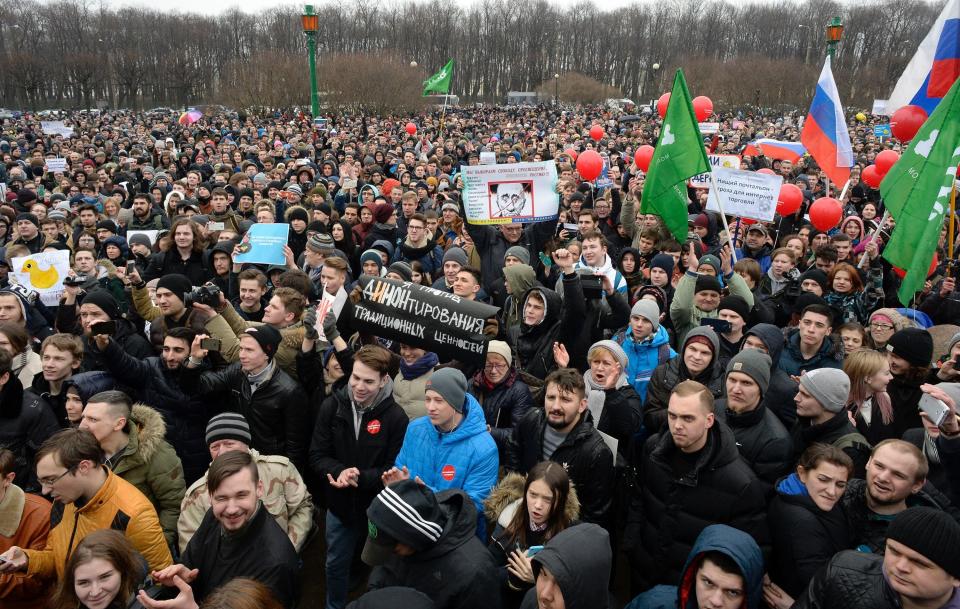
(834, 33)
(311, 24)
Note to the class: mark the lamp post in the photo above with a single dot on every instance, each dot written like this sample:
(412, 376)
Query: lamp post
(656, 68)
(834, 33)
(556, 89)
(311, 23)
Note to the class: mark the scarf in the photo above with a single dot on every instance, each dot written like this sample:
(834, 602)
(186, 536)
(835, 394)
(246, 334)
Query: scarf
(18, 362)
(258, 378)
(597, 395)
(419, 367)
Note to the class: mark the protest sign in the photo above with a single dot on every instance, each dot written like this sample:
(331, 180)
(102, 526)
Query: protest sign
(150, 234)
(730, 161)
(55, 165)
(709, 128)
(737, 124)
(55, 128)
(747, 194)
(882, 131)
(42, 273)
(879, 107)
(423, 317)
(263, 244)
(488, 157)
(511, 193)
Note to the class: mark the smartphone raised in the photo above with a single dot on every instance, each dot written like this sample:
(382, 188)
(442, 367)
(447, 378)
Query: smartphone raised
(720, 326)
(100, 328)
(210, 344)
(935, 409)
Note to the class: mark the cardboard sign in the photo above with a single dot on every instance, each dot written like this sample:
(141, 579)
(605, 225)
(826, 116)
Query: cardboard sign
(882, 131)
(729, 161)
(42, 273)
(879, 107)
(263, 244)
(423, 317)
(511, 193)
(57, 165)
(55, 128)
(747, 194)
(709, 128)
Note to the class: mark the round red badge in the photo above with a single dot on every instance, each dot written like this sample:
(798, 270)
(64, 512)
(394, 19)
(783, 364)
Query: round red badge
(448, 472)
(373, 427)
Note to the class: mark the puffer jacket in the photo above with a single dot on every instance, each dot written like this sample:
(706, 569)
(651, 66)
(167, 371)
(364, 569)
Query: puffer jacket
(644, 356)
(118, 505)
(687, 316)
(465, 458)
(782, 389)
(668, 512)
(852, 580)
(763, 441)
(583, 453)
(804, 536)
(668, 375)
(533, 345)
(149, 463)
(26, 420)
(409, 394)
(792, 362)
(276, 412)
(504, 405)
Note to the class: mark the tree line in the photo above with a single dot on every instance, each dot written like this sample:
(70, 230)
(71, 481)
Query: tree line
(76, 54)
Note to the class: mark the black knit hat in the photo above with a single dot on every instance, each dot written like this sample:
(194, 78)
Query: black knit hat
(663, 261)
(707, 283)
(176, 283)
(228, 426)
(930, 532)
(405, 512)
(912, 344)
(736, 304)
(816, 275)
(297, 213)
(29, 218)
(105, 300)
(267, 337)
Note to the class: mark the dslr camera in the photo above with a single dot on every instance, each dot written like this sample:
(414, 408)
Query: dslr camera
(75, 281)
(206, 295)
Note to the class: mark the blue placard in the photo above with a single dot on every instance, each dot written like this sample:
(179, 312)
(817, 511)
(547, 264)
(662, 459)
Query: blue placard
(263, 244)
(882, 131)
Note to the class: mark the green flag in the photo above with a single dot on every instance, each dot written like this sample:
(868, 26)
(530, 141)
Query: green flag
(679, 156)
(439, 82)
(916, 191)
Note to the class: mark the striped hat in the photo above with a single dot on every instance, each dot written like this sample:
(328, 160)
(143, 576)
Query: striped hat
(404, 512)
(228, 426)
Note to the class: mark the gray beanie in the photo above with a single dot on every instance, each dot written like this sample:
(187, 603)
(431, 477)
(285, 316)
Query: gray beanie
(649, 311)
(451, 385)
(455, 254)
(228, 426)
(829, 386)
(615, 350)
(518, 251)
(953, 341)
(755, 364)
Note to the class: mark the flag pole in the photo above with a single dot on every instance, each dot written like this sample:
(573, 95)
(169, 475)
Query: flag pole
(873, 235)
(953, 221)
(723, 217)
(443, 113)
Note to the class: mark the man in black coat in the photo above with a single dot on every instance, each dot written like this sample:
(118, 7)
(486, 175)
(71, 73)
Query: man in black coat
(763, 441)
(920, 568)
(562, 431)
(428, 541)
(782, 389)
(358, 433)
(237, 538)
(688, 477)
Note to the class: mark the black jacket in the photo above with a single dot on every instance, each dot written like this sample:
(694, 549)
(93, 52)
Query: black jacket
(621, 416)
(195, 267)
(668, 511)
(25, 422)
(668, 375)
(804, 539)
(591, 318)
(132, 342)
(336, 445)
(580, 559)
(763, 441)
(457, 572)
(905, 399)
(276, 412)
(782, 389)
(583, 453)
(262, 552)
(839, 432)
(533, 345)
(851, 580)
(503, 405)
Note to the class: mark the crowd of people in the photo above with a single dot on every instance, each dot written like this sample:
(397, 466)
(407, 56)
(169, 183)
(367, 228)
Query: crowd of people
(722, 419)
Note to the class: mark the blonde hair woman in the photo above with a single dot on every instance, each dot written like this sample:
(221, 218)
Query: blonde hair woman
(869, 404)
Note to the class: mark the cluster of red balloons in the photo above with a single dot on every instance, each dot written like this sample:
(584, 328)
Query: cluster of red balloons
(702, 106)
(872, 175)
(589, 165)
(906, 121)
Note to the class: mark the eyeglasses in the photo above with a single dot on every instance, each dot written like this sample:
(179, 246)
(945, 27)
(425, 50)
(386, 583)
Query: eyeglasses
(877, 326)
(52, 481)
(495, 367)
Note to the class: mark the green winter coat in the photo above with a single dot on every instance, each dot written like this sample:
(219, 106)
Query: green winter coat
(686, 316)
(149, 463)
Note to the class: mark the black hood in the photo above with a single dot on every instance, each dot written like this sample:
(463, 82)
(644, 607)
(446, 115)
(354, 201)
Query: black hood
(391, 598)
(461, 524)
(772, 337)
(580, 560)
(554, 305)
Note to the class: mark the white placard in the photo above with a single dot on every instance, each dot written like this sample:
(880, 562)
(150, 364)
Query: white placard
(57, 164)
(730, 161)
(511, 193)
(42, 273)
(488, 158)
(879, 107)
(151, 235)
(55, 128)
(709, 128)
(747, 194)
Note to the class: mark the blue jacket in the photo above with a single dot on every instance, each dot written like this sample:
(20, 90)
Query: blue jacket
(792, 362)
(465, 458)
(721, 538)
(644, 357)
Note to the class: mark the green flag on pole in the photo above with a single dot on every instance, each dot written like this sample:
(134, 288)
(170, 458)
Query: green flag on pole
(916, 191)
(679, 155)
(439, 82)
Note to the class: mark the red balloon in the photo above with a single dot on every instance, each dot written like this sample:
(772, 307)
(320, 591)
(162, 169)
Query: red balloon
(767, 171)
(791, 198)
(871, 176)
(596, 132)
(572, 153)
(410, 128)
(643, 156)
(825, 213)
(906, 121)
(747, 221)
(933, 267)
(885, 160)
(589, 165)
(662, 104)
(702, 107)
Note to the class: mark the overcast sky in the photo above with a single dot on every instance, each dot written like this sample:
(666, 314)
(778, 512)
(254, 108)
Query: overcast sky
(209, 7)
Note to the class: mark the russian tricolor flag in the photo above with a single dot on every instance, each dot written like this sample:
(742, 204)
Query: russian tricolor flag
(825, 130)
(934, 66)
(775, 149)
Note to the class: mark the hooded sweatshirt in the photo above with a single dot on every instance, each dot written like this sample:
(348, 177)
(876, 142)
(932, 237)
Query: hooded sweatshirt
(579, 558)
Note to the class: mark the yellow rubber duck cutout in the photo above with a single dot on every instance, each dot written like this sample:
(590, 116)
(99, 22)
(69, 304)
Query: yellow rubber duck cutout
(40, 278)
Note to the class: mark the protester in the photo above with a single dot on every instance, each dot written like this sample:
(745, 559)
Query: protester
(103, 571)
(25, 524)
(571, 570)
